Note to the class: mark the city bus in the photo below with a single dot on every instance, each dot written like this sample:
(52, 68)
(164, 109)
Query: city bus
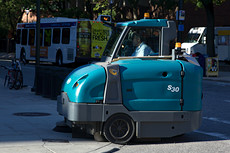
(62, 40)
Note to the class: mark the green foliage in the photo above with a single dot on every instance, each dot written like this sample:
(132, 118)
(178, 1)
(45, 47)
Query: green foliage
(11, 11)
(166, 4)
(200, 3)
(72, 13)
(103, 7)
(3, 32)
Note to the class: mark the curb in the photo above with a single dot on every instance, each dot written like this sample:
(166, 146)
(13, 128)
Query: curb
(8, 56)
(217, 80)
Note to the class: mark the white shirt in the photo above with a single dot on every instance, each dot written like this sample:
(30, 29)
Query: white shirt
(142, 50)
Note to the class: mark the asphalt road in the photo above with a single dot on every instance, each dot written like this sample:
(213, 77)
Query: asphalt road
(213, 135)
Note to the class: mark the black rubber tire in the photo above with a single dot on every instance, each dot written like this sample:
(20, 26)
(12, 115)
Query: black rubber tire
(18, 81)
(6, 81)
(17, 85)
(10, 84)
(119, 129)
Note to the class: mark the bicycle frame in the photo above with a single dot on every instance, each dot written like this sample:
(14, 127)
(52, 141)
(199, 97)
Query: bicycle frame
(14, 76)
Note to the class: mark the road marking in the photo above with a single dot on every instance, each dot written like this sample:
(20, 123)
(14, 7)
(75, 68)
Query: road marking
(228, 101)
(217, 120)
(223, 83)
(218, 135)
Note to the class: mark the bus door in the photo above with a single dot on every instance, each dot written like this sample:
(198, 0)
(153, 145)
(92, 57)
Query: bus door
(32, 51)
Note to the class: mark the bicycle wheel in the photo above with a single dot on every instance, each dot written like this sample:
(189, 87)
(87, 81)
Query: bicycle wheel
(11, 79)
(10, 83)
(6, 81)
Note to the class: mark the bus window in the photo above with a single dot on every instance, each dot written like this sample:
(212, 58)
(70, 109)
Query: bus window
(18, 36)
(56, 36)
(31, 36)
(47, 37)
(65, 35)
(41, 36)
(24, 37)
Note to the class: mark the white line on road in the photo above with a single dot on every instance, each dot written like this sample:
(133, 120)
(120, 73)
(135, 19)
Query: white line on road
(223, 84)
(218, 135)
(228, 101)
(217, 120)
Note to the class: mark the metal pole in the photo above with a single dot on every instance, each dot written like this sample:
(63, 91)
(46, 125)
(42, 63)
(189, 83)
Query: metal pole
(179, 33)
(38, 34)
(111, 7)
(37, 46)
(111, 12)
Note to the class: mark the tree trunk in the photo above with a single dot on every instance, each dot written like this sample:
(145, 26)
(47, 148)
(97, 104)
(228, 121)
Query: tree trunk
(208, 5)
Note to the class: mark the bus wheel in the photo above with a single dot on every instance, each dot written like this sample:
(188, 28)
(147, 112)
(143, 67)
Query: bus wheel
(59, 60)
(119, 129)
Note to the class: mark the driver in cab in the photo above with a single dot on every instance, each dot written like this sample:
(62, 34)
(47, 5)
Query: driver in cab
(141, 48)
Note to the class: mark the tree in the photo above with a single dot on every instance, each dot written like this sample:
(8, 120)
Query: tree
(11, 11)
(208, 6)
(163, 9)
(102, 7)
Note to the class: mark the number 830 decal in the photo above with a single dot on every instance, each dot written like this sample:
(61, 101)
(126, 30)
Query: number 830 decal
(173, 89)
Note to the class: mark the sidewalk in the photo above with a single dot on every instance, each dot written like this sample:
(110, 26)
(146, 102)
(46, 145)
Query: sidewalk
(27, 123)
(223, 76)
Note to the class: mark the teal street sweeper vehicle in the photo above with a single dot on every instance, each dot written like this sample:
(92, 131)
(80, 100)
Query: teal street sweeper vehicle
(141, 88)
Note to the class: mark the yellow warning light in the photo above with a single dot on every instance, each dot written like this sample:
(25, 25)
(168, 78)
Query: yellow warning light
(105, 18)
(146, 15)
(178, 45)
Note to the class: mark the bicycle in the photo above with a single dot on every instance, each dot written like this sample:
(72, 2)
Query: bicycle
(14, 76)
